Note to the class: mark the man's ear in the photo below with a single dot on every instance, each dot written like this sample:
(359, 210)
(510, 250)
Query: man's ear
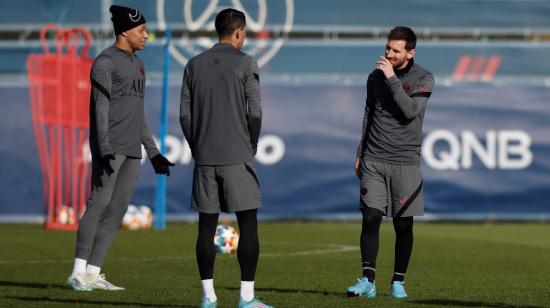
(124, 34)
(239, 32)
(411, 53)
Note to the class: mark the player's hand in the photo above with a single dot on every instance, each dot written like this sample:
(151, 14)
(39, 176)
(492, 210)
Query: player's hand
(358, 167)
(161, 164)
(106, 163)
(385, 66)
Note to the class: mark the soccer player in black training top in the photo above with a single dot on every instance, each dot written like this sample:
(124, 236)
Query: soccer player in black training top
(221, 118)
(117, 130)
(388, 157)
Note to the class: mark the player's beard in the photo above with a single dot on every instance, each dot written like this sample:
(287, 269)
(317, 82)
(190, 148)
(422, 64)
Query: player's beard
(397, 63)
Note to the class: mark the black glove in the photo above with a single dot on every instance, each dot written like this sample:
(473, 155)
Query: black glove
(161, 164)
(106, 163)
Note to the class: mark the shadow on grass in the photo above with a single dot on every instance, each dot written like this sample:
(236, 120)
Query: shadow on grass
(459, 303)
(282, 290)
(32, 285)
(46, 299)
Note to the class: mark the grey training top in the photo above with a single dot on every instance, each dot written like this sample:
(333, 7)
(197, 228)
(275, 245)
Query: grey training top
(117, 120)
(394, 111)
(220, 111)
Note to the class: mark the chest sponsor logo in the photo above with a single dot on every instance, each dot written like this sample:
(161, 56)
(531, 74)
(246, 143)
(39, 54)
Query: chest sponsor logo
(138, 85)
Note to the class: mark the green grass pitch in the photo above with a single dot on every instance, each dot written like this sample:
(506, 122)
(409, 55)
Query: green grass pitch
(302, 264)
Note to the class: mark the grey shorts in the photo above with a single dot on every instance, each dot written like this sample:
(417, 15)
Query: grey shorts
(228, 189)
(396, 190)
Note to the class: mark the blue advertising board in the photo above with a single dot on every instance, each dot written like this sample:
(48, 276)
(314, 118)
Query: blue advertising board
(486, 153)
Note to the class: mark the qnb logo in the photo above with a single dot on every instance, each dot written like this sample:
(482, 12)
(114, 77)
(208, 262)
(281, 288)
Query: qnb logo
(200, 15)
(506, 149)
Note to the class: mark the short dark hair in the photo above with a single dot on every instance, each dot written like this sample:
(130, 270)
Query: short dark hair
(406, 34)
(229, 20)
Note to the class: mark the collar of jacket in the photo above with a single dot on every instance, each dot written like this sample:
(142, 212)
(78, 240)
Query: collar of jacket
(404, 71)
(129, 54)
(223, 46)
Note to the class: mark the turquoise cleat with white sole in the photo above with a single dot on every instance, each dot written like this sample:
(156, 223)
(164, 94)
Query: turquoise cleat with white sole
(254, 303)
(207, 303)
(398, 289)
(362, 288)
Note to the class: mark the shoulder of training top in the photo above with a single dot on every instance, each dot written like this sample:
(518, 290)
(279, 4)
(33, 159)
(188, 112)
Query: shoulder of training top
(103, 60)
(422, 70)
(106, 55)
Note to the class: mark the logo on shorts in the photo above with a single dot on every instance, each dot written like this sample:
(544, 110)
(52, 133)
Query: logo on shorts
(402, 201)
(364, 190)
(200, 16)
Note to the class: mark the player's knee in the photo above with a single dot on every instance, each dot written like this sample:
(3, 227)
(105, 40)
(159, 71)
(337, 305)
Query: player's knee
(403, 225)
(247, 214)
(371, 217)
(247, 220)
(207, 224)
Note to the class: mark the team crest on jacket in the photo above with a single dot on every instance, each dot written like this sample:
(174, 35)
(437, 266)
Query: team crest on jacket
(406, 88)
(199, 16)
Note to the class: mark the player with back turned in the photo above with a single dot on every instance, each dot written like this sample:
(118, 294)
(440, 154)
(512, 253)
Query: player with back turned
(220, 117)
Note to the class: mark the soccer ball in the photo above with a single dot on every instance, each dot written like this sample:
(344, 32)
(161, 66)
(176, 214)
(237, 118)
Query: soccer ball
(145, 217)
(131, 220)
(226, 239)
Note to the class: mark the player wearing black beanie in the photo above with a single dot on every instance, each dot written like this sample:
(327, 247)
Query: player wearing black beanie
(118, 129)
(125, 18)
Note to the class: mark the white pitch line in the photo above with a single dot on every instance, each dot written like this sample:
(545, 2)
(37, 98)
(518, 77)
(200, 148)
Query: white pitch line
(333, 249)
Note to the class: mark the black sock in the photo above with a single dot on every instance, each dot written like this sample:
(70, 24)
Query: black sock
(370, 230)
(369, 271)
(205, 249)
(398, 277)
(249, 246)
(403, 227)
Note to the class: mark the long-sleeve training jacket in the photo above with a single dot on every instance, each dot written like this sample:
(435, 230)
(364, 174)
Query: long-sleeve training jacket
(220, 111)
(394, 111)
(117, 120)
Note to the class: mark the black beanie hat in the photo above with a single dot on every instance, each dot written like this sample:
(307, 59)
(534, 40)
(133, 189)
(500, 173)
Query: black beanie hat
(125, 18)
